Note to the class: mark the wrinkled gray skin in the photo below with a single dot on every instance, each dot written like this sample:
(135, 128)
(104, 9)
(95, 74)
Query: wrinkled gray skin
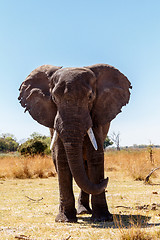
(70, 101)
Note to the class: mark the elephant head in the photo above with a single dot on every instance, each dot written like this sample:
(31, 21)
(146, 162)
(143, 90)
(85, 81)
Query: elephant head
(72, 100)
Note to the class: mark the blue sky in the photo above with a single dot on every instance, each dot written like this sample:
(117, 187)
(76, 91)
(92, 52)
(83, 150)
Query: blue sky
(122, 33)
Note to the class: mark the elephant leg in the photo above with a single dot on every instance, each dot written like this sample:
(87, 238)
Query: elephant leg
(83, 203)
(100, 210)
(83, 200)
(67, 211)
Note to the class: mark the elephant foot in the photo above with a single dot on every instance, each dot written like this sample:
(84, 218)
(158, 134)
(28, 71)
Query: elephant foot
(67, 216)
(84, 209)
(101, 217)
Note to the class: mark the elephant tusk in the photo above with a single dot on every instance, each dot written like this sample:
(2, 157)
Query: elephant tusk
(54, 139)
(92, 138)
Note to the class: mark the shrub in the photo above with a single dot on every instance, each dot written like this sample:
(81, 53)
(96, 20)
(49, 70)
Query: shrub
(36, 144)
(107, 142)
(32, 147)
(8, 143)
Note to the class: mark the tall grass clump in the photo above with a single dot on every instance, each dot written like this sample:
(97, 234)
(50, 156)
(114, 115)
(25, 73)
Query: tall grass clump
(136, 234)
(135, 163)
(26, 167)
(134, 231)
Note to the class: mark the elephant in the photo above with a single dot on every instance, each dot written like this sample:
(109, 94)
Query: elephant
(77, 105)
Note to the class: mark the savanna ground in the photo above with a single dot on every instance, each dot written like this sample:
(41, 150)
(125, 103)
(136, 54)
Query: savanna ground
(29, 199)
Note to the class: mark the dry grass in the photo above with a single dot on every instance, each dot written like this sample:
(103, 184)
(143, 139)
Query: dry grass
(133, 163)
(136, 234)
(35, 218)
(30, 167)
(28, 207)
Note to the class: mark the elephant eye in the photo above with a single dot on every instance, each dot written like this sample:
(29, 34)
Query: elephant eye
(90, 96)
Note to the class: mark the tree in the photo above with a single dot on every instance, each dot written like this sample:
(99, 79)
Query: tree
(3, 145)
(115, 137)
(46, 140)
(37, 144)
(107, 142)
(36, 135)
(32, 147)
(8, 143)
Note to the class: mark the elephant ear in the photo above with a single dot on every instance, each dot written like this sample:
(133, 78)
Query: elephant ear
(112, 93)
(35, 95)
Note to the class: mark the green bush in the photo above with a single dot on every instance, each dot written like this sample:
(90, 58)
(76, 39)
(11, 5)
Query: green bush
(8, 143)
(32, 147)
(37, 144)
(107, 142)
(46, 140)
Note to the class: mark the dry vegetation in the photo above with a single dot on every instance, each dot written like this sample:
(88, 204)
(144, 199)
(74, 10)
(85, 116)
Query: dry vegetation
(134, 163)
(29, 205)
(29, 167)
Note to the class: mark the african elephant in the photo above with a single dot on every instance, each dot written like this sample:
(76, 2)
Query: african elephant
(77, 104)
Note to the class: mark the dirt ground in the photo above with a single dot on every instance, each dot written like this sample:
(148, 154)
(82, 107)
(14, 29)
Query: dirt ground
(28, 208)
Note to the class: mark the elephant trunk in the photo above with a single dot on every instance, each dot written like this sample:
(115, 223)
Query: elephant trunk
(71, 129)
(73, 148)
